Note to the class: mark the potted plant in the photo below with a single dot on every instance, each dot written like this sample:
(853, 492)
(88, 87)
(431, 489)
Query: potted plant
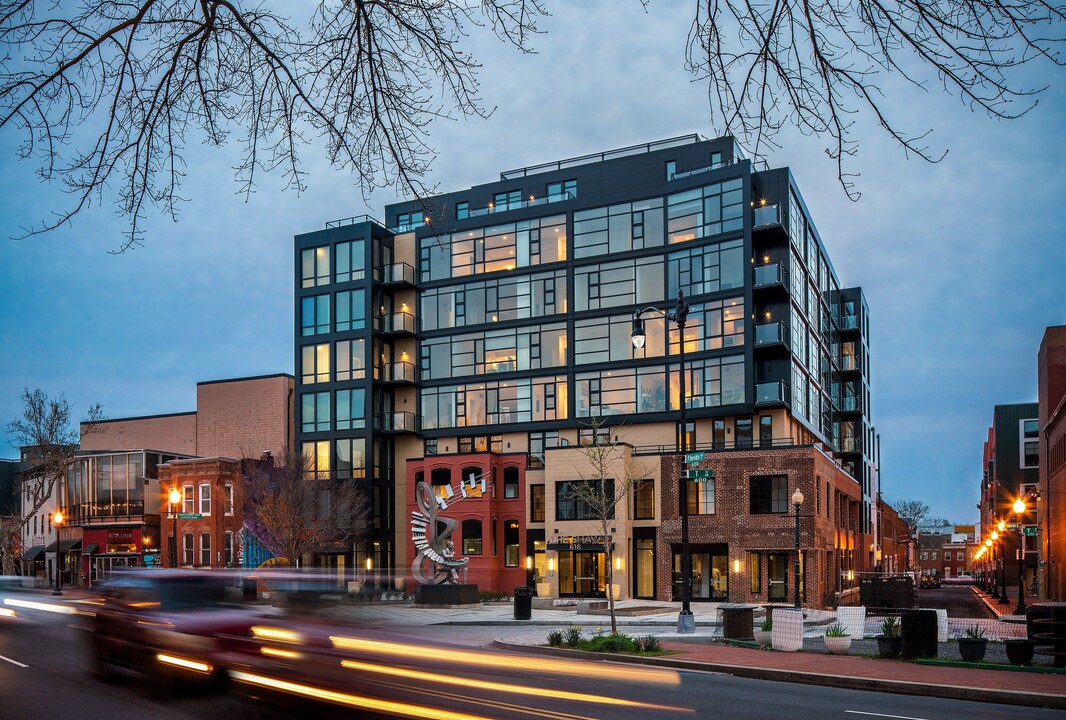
(762, 635)
(973, 644)
(837, 639)
(1019, 651)
(890, 641)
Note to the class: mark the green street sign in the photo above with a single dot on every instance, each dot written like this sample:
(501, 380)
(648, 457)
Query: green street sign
(701, 474)
(695, 457)
(1030, 531)
(189, 516)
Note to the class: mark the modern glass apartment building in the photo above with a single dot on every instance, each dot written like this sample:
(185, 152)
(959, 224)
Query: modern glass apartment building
(475, 332)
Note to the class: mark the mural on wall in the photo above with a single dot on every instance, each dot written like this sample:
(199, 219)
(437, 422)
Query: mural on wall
(435, 563)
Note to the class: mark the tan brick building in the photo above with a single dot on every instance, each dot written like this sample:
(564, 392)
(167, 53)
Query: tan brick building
(239, 417)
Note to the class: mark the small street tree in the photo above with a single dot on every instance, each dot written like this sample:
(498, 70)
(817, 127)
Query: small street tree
(293, 510)
(921, 515)
(608, 477)
(45, 426)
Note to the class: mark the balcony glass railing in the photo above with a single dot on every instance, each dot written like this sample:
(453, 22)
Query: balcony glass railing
(850, 445)
(771, 392)
(772, 274)
(768, 215)
(849, 362)
(770, 333)
(400, 272)
(401, 322)
(849, 322)
(401, 422)
(850, 404)
(516, 204)
(400, 372)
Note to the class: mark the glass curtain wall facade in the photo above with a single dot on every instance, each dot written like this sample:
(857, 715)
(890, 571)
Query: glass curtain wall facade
(506, 309)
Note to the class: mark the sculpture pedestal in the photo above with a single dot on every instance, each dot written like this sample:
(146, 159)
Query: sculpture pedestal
(447, 595)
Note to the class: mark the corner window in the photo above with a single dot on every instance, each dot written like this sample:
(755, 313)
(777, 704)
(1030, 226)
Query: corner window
(566, 190)
(510, 483)
(471, 537)
(314, 266)
(536, 503)
(768, 494)
(205, 499)
(644, 500)
(510, 543)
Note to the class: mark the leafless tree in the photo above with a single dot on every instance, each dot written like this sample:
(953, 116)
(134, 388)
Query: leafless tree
(608, 476)
(293, 510)
(818, 64)
(46, 429)
(920, 515)
(108, 94)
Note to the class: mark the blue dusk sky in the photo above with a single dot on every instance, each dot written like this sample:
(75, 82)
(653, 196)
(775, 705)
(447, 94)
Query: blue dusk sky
(963, 262)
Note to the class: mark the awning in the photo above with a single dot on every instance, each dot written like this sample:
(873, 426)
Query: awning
(90, 549)
(64, 546)
(33, 552)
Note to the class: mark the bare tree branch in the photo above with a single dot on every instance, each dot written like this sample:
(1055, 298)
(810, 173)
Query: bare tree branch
(108, 96)
(293, 511)
(47, 428)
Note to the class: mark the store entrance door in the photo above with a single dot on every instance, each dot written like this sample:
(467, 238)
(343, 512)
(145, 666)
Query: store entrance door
(777, 571)
(582, 573)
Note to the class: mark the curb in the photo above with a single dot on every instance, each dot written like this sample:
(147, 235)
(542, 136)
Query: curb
(950, 692)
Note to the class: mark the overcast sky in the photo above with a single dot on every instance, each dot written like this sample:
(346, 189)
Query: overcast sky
(963, 263)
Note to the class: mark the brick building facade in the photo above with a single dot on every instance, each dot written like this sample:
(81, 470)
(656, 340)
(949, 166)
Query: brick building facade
(1051, 384)
(211, 493)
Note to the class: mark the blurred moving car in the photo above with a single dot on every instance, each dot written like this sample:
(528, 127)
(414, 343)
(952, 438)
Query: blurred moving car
(930, 582)
(170, 624)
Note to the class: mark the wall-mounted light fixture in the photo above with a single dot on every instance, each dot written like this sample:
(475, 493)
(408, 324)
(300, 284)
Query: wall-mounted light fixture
(551, 567)
(737, 567)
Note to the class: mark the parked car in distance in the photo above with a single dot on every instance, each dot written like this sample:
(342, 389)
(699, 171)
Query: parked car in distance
(929, 582)
(168, 624)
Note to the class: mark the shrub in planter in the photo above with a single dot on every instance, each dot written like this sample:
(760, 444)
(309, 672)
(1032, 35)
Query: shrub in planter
(973, 644)
(890, 641)
(763, 634)
(1019, 651)
(837, 640)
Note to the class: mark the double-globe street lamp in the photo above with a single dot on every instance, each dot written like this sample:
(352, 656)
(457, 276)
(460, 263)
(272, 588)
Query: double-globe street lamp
(679, 316)
(175, 500)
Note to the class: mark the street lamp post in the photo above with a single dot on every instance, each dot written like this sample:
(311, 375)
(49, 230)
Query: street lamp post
(1003, 600)
(992, 538)
(797, 500)
(1019, 509)
(679, 316)
(175, 500)
(57, 520)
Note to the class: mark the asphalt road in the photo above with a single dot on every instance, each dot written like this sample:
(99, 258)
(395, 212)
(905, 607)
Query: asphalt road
(44, 674)
(959, 600)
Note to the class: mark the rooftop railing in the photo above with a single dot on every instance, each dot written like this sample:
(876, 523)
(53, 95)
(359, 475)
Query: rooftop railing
(600, 157)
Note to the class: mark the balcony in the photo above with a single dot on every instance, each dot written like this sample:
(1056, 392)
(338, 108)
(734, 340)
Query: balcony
(516, 205)
(400, 422)
(850, 445)
(400, 323)
(399, 274)
(850, 404)
(400, 372)
(771, 333)
(849, 363)
(771, 393)
(771, 275)
(849, 322)
(767, 216)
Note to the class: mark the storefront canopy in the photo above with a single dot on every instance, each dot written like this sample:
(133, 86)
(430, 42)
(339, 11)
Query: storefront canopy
(32, 553)
(90, 549)
(64, 546)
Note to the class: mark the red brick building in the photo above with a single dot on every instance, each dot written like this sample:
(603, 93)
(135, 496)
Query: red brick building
(1051, 383)
(486, 494)
(208, 518)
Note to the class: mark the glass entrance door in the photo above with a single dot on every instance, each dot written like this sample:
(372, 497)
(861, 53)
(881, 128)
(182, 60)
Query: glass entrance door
(582, 574)
(777, 572)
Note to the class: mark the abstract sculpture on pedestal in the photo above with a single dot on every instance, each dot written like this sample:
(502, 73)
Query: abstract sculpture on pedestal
(435, 563)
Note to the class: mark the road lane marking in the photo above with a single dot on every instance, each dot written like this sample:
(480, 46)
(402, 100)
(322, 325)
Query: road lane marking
(13, 662)
(899, 717)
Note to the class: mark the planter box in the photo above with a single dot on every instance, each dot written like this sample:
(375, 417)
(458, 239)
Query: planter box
(763, 637)
(1020, 652)
(972, 650)
(838, 645)
(889, 646)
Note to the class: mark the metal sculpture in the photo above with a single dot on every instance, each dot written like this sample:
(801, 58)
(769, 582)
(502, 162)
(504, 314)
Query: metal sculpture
(430, 533)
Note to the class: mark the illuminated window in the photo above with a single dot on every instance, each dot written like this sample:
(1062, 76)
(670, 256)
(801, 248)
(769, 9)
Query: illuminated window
(314, 266)
(471, 537)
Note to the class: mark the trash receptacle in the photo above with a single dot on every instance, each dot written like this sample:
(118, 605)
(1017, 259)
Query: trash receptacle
(523, 602)
(250, 587)
(737, 622)
(919, 634)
